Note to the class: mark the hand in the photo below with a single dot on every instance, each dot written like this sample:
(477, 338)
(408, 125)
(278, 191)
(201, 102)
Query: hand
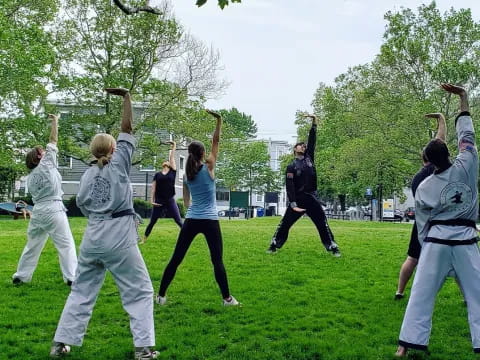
(454, 89)
(311, 116)
(434, 115)
(172, 143)
(214, 114)
(297, 209)
(53, 117)
(117, 91)
(156, 204)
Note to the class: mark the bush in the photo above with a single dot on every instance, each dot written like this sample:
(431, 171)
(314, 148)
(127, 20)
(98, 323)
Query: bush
(142, 207)
(181, 207)
(72, 208)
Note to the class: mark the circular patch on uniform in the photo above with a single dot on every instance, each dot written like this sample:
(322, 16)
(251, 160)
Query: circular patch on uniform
(100, 190)
(36, 182)
(456, 197)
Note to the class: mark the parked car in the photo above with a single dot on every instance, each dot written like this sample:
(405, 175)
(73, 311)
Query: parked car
(410, 213)
(398, 215)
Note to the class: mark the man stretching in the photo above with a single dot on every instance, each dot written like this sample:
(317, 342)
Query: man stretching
(301, 183)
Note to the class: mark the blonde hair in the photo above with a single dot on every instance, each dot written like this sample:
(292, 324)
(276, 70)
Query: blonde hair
(101, 148)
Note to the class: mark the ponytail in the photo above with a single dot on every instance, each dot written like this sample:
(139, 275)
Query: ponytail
(101, 148)
(196, 150)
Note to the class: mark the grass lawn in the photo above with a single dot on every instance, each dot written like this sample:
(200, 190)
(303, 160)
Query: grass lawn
(300, 303)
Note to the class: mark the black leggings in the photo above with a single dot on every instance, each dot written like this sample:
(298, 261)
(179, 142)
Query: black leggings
(161, 211)
(191, 228)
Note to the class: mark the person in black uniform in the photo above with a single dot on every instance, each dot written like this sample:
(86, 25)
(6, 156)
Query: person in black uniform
(301, 183)
(414, 247)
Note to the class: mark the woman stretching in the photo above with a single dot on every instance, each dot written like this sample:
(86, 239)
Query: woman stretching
(201, 216)
(109, 243)
(163, 193)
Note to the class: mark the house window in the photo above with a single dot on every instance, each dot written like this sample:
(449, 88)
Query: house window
(223, 195)
(259, 198)
(181, 168)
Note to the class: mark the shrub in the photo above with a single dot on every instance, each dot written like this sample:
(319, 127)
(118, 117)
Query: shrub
(142, 207)
(181, 207)
(72, 208)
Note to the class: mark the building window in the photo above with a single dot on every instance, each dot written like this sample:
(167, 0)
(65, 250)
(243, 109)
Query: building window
(182, 163)
(223, 195)
(181, 168)
(259, 198)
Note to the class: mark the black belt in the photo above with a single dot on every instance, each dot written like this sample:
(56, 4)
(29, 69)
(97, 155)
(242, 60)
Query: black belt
(123, 213)
(452, 242)
(454, 222)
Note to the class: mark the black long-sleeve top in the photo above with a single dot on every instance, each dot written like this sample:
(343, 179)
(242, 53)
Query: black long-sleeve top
(301, 176)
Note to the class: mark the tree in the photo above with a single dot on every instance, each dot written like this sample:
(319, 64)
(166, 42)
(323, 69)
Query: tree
(243, 124)
(129, 10)
(372, 129)
(168, 71)
(221, 3)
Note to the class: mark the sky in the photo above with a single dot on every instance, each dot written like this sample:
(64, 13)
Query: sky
(276, 52)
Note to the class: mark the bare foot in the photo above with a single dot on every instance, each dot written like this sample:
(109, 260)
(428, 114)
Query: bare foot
(117, 91)
(401, 351)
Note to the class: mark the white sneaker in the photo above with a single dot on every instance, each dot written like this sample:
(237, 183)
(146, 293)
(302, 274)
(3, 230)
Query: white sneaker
(231, 302)
(146, 353)
(161, 300)
(59, 349)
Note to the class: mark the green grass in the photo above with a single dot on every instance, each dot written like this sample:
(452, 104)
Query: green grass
(300, 303)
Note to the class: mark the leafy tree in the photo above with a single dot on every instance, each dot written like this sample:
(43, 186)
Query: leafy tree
(221, 3)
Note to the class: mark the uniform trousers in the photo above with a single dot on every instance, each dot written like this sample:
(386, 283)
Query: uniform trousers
(436, 262)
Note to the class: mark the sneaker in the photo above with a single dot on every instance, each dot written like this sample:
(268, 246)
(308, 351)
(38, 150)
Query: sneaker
(335, 251)
(399, 296)
(16, 281)
(69, 282)
(231, 302)
(272, 249)
(59, 349)
(145, 353)
(161, 300)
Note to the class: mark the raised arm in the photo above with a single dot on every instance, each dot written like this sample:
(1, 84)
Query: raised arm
(441, 125)
(54, 131)
(312, 137)
(212, 158)
(127, 111)
(186, 193)
(171, 157)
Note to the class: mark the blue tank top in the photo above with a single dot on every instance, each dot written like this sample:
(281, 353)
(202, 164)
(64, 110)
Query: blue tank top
(203, 191)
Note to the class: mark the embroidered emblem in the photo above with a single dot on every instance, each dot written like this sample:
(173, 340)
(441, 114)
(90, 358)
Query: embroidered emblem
(100, 191)
(456, 197)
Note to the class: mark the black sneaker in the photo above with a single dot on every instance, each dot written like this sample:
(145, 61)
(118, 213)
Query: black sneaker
(17, 281)
(335, 251)
(69, 282)
(399, 296)
(272, 249)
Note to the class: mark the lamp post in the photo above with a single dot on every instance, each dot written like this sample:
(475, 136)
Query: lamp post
(369, 197)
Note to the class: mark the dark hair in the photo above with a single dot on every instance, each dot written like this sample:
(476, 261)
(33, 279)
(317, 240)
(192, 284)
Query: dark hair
(32, 160)
(424, 157)
(437, 153)
(194, 160)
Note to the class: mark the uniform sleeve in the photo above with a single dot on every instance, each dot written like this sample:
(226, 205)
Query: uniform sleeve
(122, 156)
(312, 141)
(422, 217)
(290, 185)
(50, 158)
(82, 196)
(467, 155)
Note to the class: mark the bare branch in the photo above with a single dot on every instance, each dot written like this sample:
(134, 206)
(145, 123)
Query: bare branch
(134, 10)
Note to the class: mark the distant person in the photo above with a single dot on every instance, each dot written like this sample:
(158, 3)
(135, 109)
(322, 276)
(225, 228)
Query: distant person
(414, 247)
(21, 206)
(48, 216)
(109, 243)
(447, 233)
(201, 217)
(301, 183)
(163, 193)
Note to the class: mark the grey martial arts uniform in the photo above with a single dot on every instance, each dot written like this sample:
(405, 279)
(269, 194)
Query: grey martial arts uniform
(109, 243)
(449, 195)
(48, 218)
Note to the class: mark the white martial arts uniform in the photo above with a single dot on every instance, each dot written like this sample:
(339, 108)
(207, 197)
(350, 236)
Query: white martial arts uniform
(448, 195)
(48, 218)
(109, 243)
